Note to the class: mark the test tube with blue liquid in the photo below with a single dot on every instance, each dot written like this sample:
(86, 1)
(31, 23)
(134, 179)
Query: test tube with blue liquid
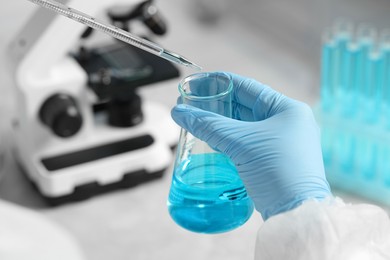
(375, 85)
(207, 194)
(366, 39)
(350, 80)
(385, 49)
(327, 75)
(343, 36)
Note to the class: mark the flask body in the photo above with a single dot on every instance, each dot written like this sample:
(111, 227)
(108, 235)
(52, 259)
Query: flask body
(207, 194)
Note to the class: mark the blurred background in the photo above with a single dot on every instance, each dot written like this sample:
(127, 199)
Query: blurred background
(279, 43)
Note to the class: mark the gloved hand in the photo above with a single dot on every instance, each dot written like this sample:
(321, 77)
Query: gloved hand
(273, 140)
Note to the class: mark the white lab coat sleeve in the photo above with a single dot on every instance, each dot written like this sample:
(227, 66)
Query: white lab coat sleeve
(326, 230)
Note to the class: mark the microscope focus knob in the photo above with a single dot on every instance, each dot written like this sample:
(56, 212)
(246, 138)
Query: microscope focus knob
(61, 114)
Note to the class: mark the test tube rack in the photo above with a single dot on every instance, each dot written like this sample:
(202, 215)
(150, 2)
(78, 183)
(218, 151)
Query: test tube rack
(354, 110)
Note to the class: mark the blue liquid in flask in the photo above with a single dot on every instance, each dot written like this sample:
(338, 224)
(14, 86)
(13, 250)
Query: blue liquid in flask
(207, 195)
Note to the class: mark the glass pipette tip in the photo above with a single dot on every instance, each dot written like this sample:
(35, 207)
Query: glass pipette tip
(179, 59)
(115, 32)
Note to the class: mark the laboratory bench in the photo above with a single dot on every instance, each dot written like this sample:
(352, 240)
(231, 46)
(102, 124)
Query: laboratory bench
(134, 223)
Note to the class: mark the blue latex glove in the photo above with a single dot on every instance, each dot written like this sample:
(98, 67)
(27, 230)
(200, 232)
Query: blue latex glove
(273, 140)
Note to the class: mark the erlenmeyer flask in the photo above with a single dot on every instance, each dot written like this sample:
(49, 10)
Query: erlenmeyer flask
(207, 195)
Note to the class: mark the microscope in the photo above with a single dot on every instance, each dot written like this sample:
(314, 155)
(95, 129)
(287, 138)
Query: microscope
(80, 128)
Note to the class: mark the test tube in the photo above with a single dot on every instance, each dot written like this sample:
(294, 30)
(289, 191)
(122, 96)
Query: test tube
(350, 83)
(366, 36)
(327, 71)
(385, 49)
(343, 31)
(373, 89)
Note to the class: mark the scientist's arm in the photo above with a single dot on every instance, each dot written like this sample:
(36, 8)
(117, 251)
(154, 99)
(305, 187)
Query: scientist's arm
(274, 142)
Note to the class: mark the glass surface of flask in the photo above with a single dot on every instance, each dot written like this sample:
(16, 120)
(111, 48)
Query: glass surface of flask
(207, 194)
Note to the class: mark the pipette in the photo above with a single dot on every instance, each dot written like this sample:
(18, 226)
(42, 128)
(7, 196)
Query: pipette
(115, 32)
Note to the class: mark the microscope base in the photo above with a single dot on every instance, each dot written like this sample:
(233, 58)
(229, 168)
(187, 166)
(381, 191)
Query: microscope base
(89, 190)
(46, 185)
(112, 158)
